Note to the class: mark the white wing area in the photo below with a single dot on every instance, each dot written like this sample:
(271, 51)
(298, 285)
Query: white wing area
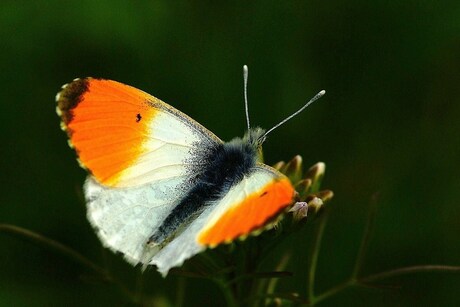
(167, 150)
(185, 245)
(125, 218)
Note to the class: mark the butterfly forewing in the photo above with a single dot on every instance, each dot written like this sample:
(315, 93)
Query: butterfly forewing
(126, 137)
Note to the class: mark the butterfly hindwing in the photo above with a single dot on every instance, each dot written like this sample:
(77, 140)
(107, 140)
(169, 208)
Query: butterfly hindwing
(247, 208)
(124, 218)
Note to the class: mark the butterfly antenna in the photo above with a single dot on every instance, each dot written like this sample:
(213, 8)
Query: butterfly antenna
(316, 97)
(245, 77)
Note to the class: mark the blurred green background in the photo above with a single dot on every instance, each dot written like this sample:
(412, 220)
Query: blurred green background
(389, 124)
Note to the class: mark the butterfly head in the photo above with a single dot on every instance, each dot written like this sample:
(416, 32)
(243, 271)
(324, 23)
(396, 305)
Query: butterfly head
(255, 137)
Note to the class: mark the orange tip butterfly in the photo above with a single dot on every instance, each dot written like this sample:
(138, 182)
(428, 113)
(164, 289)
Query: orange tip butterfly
(161, 187)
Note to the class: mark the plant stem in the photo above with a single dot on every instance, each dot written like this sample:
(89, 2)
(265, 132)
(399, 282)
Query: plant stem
(270, 284)
(368, 230)
(66, 251)
(314, 258)
(410, 270)
(228, 294)
(42, 240)
(383, 275)
(180, 293)
(331, 292)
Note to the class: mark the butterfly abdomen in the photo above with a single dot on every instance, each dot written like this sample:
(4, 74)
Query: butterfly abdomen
(224, 166)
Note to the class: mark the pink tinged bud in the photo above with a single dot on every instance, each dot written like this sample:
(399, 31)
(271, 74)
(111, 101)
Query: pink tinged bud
(299, 210)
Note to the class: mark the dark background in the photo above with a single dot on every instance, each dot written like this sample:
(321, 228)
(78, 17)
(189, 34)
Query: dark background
(389, 123)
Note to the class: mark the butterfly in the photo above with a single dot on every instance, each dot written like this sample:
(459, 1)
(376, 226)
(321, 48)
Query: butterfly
(161, 187)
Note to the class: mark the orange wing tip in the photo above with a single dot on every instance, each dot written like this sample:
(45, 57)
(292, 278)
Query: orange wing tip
(260, 211)
(70, 97)
(103, 121)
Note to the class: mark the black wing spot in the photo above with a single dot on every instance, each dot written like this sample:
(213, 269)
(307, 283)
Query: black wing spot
(263, 194)
(138, 117)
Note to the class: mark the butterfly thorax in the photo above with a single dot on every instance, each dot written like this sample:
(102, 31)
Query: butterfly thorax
(223, 166)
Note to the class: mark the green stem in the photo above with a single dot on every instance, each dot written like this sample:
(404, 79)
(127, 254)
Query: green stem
(180, 293)
(368, 230)
(410, 270)
(226, 290)
(260, 275)
(383, 275)
(270, 284)
(334, 290)
(250, 268)
(42, 240)
(66, 251)
(314, 258)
